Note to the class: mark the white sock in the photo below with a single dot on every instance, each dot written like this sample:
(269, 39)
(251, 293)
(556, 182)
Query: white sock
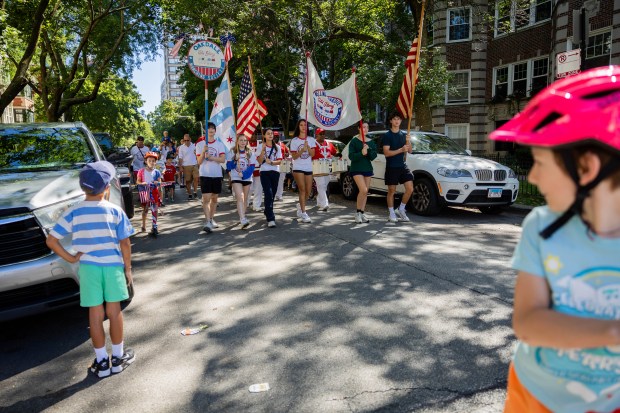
(117, 350)
(101, 353)
(402, 207)
(391, 210)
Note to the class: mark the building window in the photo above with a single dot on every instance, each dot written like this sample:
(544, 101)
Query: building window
(174, 77)
(26, 92)
(520, 79)
(172, 69)
(459, 132)
(173, 60)
(516, 14)
(459, 26)
(458, 88)
(598, 45)
(176, 93)
(23, 116)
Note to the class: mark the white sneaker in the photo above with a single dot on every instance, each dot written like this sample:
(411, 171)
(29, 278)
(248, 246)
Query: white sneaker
(402, 214)
(208, 227)
(257, 209)
(244, 223)
(358, 218)
(364, 218)
(325, 208)
(392, 218)
(299, 210)
(214, 224)
(278, 198)
(305, 218)
(271, 224)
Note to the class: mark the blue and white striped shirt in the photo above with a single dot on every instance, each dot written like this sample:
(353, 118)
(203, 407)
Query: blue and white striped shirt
(97, 227)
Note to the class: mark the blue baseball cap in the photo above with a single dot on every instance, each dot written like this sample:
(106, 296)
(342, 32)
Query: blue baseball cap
(97, 176)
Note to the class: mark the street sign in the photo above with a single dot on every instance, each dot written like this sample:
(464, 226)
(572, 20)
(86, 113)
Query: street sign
(568, 63)
(205, 59)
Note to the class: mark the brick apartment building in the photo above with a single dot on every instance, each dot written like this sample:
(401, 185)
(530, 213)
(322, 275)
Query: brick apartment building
(501, 56)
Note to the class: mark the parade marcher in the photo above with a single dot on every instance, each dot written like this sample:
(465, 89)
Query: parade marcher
(323, 150)
(210, 156)
(149, 180)
(189, 163)
(170, 175)
(100, 234)
(302, 151)
(285, 154)
(240, 163)
(257, 188)
(395, 147)
(269, 158)
(138, 151)
(361, 153)
(566, 307)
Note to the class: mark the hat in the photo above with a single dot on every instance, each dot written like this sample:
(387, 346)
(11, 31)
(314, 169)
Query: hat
(151, 155)
(319, 130)
(97, 176)
(276, 133)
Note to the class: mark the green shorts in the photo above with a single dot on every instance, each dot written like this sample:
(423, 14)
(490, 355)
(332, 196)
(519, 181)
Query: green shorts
(99, 284)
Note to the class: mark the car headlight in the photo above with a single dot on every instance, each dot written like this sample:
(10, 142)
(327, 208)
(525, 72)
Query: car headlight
(511, 174)
(49, 215)
(454, 173)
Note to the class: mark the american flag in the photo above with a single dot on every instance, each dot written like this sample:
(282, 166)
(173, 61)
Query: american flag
(228, 51)
(405, 100)
(249, 115)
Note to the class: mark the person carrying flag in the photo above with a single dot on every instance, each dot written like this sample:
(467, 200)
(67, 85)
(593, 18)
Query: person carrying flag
(148, 180)
(323, 150)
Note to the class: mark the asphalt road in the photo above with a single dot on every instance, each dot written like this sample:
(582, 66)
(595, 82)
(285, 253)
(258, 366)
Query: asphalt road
(336, 317)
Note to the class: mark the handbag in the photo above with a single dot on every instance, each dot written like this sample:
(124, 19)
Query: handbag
(130, 290)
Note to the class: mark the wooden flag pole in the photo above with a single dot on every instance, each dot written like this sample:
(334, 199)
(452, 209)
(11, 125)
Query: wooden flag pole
(359, 105)
(415, 71)
(260, 123)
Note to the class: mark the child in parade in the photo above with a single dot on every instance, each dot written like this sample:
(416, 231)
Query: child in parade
(240, 163)
(302, 151)
(100, 234)
(395, 145)
(323, 150)
(149, 180)
(285, 154)
(361, 153)
(566, 306)
(170, 176)
(269, 158)
(210, 157)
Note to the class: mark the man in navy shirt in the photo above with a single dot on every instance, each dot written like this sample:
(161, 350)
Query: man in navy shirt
(395, 146)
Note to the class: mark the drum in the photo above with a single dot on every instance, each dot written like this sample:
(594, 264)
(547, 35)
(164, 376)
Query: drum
(339, 165)
(320, 167)
(285, 166)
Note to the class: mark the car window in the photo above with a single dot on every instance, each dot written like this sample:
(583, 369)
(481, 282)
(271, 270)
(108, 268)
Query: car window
(376, 137)
(435, 143)
(105, 142)
(43, 148)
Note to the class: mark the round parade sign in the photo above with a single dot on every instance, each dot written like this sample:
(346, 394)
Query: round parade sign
(206, 60)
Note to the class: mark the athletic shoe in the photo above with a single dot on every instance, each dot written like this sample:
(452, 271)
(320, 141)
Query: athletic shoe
(392, 218)
(154, 233)
(278, 198)
(195, 195)
(181, 186)
(402, 214)
(189, 197)
(364, 218)
(259, 209)
(101, 369)
(271, 224)
(121, 363)
(299, 210)
(358, 218)
(208, 227)
(244, 223)
(215, 225)
(305, 218)
(325, 208)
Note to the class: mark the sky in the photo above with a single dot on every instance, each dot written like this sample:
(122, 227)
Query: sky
(148, 81)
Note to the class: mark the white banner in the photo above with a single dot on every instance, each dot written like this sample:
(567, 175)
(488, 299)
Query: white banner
(333, 109)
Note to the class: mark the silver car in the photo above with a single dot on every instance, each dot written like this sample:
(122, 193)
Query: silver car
(39, 180)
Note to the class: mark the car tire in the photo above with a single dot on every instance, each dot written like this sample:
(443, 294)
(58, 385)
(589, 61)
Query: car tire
(349, 189)
(129, 206)
(424, 200)
(492, 209)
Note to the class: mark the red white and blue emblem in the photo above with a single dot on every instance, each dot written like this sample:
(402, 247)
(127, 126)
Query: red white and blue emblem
(327, 109)
(205, 59)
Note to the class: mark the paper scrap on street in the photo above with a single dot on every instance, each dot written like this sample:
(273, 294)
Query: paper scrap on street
(191, 331)
(259, 387)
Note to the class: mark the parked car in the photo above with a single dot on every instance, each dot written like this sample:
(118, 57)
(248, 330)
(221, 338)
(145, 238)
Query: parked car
(39, 180)
(445, 175)
(121, 158)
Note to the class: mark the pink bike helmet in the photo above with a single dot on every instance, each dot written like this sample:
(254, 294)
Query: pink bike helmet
(582, 109)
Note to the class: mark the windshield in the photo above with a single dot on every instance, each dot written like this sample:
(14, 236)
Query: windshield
(431, 143)
(105, 142)
(43, 148)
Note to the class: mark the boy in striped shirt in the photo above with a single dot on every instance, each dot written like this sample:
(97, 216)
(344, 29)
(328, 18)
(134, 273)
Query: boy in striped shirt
(100, 234)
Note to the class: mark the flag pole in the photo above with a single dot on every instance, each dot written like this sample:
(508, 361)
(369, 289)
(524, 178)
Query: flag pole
(415, 70)
(260, 123)
(306, 90)
(359, 105)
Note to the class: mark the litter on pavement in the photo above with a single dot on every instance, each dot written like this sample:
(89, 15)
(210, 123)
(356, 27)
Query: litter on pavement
(259, 387)
(191, 331)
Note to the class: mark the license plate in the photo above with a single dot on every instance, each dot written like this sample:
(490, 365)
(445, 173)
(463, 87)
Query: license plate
(494, 193)
(333, 178)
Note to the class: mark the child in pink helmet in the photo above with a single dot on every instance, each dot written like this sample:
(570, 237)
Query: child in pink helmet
(567, 294)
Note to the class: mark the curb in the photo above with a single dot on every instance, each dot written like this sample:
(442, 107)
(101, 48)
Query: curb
(521, 207)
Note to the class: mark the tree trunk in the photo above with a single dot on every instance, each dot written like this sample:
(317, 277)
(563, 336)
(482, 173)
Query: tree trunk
(423, 117)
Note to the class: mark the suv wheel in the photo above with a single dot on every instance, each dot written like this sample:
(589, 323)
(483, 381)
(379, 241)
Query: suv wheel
(349, 189)
(424, 200)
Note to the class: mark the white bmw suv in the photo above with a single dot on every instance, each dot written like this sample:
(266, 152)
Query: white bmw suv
(445, 174)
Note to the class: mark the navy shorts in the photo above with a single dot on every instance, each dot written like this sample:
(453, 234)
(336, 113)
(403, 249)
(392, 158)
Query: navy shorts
(297, 171)
(210, 185)
(362, 173)
(244, 183)
(395, 176)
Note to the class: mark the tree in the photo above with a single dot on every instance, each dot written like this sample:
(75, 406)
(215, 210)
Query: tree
(175, 118)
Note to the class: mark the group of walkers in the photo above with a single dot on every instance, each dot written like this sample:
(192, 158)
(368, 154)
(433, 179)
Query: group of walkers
(255, 167)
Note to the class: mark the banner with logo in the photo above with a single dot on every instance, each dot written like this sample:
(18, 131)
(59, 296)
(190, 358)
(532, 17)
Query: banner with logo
(333, 109)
